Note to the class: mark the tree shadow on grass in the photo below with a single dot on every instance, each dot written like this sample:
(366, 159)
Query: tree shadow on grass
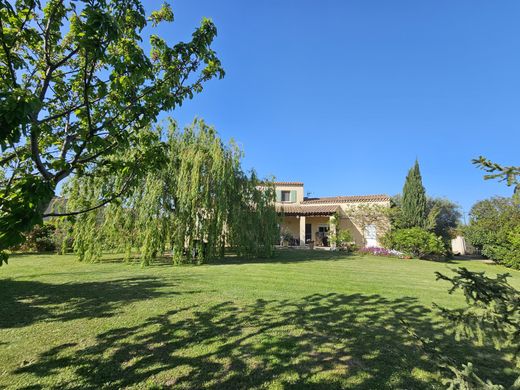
(288, 255)
(25, 302)
(320, 341)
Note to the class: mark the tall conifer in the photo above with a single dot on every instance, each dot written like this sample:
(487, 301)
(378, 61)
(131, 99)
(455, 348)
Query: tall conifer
(414, 207)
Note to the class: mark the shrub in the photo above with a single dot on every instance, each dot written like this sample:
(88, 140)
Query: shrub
(344, 241)
(494, 228)
(514, 256)
(415, 242)
(285, 236)
(506, 249)
(39, 239)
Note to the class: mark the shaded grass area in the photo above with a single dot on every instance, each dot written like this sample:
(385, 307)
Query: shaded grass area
(300, 320)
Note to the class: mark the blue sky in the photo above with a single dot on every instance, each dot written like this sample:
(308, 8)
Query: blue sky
(344, 95)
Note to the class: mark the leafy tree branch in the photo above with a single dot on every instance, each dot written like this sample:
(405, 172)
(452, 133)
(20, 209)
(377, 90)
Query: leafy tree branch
(78, 86)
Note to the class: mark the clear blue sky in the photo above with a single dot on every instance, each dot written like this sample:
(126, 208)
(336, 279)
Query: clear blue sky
(344, 95)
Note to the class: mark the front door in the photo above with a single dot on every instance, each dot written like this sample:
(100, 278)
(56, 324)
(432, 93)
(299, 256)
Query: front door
(370, 236)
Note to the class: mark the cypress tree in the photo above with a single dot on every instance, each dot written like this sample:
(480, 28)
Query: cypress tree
(414, 206)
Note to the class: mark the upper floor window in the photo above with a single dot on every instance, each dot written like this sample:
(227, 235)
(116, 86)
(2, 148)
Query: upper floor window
(286, 196)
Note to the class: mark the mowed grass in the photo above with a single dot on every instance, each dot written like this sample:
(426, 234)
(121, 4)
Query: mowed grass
(301, 320)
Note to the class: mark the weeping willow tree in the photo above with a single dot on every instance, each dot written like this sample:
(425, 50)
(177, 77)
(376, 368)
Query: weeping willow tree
(189, 198)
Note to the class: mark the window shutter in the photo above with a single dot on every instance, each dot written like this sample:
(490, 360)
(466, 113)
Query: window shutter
(278, 195)
(293, 196)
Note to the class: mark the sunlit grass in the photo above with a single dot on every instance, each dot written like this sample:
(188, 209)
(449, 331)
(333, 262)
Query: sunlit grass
(301, 320)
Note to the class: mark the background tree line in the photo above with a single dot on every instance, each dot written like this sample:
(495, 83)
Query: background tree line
(421, 226)
(494, 229)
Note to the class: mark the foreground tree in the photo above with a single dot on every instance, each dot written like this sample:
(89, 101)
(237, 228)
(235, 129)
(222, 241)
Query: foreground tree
(77, 87)
(492, 313)
(507, 174)
(491, 316)
(414, 203)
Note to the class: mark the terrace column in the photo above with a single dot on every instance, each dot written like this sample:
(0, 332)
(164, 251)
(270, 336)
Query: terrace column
(332, 231)
(302, 230)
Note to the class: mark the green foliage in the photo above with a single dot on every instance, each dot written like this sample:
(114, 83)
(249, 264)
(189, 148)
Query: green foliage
(415, 242)
(446, 216)
(194, 200)
(165, 13)
(509, 174)
(493, 228)
(338, 237)
(394, 213)
(492, 315)
(493, 308)
(414, 203)
(252, 218)
(77, 89)
(343, 237)
(344, 241)
(510, 254)
(364, 215)
(442, 218)
(62, 236)
(39, 239)
(494, 223)
(22, 204)
(493, 305)
(285, 235)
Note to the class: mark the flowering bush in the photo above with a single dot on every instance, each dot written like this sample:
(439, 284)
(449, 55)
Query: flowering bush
(376, 251)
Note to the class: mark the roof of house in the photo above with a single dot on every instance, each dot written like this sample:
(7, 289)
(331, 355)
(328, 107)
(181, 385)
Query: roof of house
(347, 199)
(58, 204)
(307, 210)
(288, 183)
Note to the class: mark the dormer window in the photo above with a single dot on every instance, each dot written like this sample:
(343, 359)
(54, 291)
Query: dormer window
(286, 196)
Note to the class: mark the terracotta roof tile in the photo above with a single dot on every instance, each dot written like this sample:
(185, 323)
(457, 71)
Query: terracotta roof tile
(306, 210)
(347, 199)
(288, 183)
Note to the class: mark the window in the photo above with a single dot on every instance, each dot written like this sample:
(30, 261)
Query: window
(286, 196)
(323, 229)
(322, 235)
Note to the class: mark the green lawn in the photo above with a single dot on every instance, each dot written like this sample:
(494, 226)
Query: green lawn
(301, 320)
